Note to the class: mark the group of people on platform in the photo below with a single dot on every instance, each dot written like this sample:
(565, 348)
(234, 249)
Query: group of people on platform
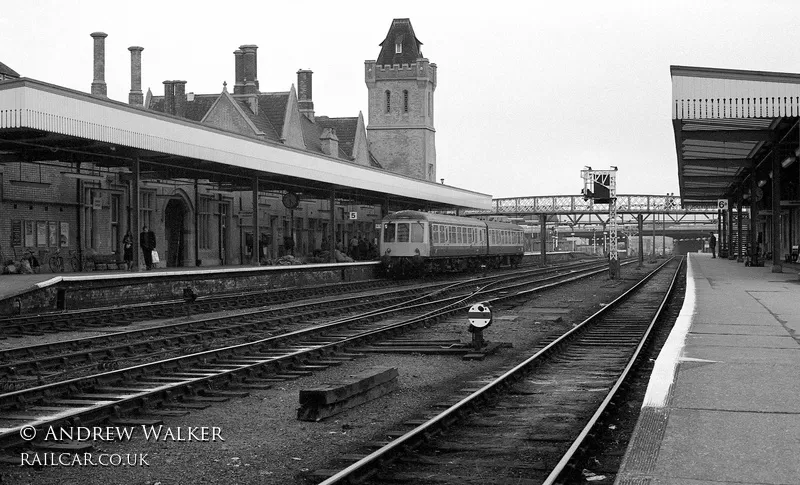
(147, 241)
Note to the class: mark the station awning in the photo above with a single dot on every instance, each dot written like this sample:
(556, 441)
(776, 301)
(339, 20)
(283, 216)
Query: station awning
(726, 123)
(43, 122)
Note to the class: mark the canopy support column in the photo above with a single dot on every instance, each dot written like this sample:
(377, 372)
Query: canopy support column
(542, 236)
(135, 203)
(777, 267)
(332, 238)
(739, 257)
(256, 255)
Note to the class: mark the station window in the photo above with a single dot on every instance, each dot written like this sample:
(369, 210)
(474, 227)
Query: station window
(204, 222)
(147, 204)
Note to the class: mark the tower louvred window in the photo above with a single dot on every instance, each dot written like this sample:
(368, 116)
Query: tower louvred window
(388, 101)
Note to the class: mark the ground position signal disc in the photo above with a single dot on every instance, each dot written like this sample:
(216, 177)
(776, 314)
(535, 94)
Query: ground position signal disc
(480, 315)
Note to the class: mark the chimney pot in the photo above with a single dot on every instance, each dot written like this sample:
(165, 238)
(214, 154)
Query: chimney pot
(169, 97)
(304, 96)
(180, 98)
(238, 86)
(250, 68)
(135, 97)
(99, 82)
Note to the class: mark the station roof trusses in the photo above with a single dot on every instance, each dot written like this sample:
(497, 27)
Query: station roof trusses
(44, 122)
(727, 122)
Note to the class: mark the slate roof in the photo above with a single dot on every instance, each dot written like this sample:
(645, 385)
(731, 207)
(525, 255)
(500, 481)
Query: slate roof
(7, 71)
(345, 129)
(273, 106)
(261, 120)
(402, 32)
(311, 134)
(195, 110)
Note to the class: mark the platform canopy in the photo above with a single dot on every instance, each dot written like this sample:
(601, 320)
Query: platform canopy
(43, 122)
(727, 122)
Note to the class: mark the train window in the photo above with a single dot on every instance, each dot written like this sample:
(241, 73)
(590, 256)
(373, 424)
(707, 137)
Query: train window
(417, 232)
(434, 234)
(402, 232)
(388, 232)
(452, 232)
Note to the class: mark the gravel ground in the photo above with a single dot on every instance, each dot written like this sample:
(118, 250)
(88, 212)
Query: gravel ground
(264, 443)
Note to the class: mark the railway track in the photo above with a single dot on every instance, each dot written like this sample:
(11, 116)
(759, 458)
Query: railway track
(526, 425)
(31, 365)
(197, 379)
(39, 324)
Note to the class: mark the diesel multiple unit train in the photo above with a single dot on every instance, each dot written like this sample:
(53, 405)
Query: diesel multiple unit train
(415, 242)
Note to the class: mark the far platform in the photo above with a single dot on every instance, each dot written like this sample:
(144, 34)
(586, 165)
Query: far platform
(722, 404)
(47, 292)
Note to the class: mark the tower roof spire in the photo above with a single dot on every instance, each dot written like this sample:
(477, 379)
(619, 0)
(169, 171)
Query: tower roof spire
(400, 46)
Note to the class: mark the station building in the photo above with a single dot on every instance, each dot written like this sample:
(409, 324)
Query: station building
(72, 195)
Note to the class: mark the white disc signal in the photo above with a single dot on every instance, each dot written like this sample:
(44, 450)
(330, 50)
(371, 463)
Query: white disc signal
(480, 315)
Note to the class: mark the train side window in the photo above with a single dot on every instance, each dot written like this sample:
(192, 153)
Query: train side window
(388, 232)
(417, 232)
(402, 232)
(434, 234)
(452, 232)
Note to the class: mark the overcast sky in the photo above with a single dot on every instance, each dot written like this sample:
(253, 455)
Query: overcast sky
(528, 92)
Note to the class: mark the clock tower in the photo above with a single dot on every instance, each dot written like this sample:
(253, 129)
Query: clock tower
(400, 85)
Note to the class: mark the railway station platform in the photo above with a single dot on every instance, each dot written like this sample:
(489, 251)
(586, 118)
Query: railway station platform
(48, 292)
(723, 402)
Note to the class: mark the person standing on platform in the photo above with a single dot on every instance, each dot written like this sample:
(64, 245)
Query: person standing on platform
(127, 250)
(147, 240)
(712, 243)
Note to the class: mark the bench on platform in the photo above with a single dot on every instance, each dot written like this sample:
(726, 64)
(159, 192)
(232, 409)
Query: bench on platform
(106, 261)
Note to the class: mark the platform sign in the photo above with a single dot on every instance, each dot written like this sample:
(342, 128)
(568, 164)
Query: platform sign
(353, 215)
(480, 315)
(722, 204)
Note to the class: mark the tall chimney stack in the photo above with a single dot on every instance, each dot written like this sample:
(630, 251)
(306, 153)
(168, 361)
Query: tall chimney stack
(238, 87)
(135, 97)
(180, 98)
(169, 97)
(250, 69)
(304, 98)
(99, 83)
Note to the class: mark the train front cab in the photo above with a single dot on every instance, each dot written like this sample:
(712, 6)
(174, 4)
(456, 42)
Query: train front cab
(404, 246)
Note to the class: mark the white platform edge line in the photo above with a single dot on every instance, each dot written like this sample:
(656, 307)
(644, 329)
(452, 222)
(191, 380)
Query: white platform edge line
(664, 370)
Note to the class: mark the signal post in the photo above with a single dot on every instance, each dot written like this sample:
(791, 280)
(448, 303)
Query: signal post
(600, 186)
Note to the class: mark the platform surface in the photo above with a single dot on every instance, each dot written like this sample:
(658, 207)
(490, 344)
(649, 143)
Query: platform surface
(12, 285)
(723, 403)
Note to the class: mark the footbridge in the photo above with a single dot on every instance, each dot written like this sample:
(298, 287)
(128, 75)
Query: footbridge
(583, 215)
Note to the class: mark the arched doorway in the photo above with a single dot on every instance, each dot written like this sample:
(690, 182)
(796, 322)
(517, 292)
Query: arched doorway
(174, 232)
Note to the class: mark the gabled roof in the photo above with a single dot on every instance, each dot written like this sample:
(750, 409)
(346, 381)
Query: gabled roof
(7, 71)
(400, 32)
(273, 106)
(260, 120)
